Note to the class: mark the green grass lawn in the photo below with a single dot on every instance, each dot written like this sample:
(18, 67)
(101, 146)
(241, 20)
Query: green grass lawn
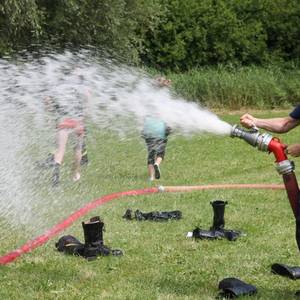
(159, 262)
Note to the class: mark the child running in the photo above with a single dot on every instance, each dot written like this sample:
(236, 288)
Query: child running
(155, 133)
(70, 122)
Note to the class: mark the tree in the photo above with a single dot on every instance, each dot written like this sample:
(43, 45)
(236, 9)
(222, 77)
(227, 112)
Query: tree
(19, 24)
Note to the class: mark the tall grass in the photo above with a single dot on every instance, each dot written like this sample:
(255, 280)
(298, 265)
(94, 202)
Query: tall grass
(229, 87)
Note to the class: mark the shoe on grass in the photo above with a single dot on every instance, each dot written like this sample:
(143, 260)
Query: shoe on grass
(55, 174)
(157, 171)
(84, 159)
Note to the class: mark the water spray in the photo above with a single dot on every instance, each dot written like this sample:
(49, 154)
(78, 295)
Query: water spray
(267, 143)
(116, 99)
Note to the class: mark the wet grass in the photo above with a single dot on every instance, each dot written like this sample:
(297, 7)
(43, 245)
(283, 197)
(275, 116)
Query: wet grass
(159, 261)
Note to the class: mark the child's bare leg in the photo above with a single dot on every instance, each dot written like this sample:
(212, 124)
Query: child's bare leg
(151, 171)
(150, 162)
(77, 159)
(62, 138)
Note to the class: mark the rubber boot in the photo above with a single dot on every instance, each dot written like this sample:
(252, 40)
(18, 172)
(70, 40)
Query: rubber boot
(84, 159)
(219, 210)
(128, 214)
(93, 237)
(55, 174)
(84, 156)
(292, 272)
(233, 288)
(93, 232)
(70, 245)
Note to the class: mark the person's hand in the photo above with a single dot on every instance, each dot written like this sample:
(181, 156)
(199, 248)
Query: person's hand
(247, 121)
(293, 150)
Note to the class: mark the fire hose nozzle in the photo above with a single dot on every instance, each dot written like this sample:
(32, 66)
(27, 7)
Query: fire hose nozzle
(265, 142)
(252, 137)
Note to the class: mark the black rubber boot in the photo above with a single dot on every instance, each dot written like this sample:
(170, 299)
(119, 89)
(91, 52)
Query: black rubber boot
(70, 245)
(55, 174)
(93, 238)
(292, 272)
(207, 234)
(233, 288)
(93, 232)
(84, 159)
(84, 155)
(155, 215)
(165, 215)
(128, 214)
(219, 210)
(139, 215)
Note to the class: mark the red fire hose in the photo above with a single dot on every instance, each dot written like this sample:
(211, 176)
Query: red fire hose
(42, 239)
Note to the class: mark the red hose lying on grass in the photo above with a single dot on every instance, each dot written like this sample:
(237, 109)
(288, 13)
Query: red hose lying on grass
(42, 239)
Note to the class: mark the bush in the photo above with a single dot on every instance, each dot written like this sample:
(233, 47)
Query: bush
(19, 24)
(117, 26)
(208, 32)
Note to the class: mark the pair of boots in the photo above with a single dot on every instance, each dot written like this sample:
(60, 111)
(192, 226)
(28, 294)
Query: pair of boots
(217, 230)
(93, 241)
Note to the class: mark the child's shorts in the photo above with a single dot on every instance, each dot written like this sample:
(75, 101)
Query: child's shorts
(156, 147)
(72, 124)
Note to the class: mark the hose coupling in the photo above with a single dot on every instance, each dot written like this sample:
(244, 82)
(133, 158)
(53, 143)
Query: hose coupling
(285, 167)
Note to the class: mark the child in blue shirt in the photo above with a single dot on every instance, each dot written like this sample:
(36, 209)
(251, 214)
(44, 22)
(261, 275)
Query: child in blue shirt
(155, 133)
